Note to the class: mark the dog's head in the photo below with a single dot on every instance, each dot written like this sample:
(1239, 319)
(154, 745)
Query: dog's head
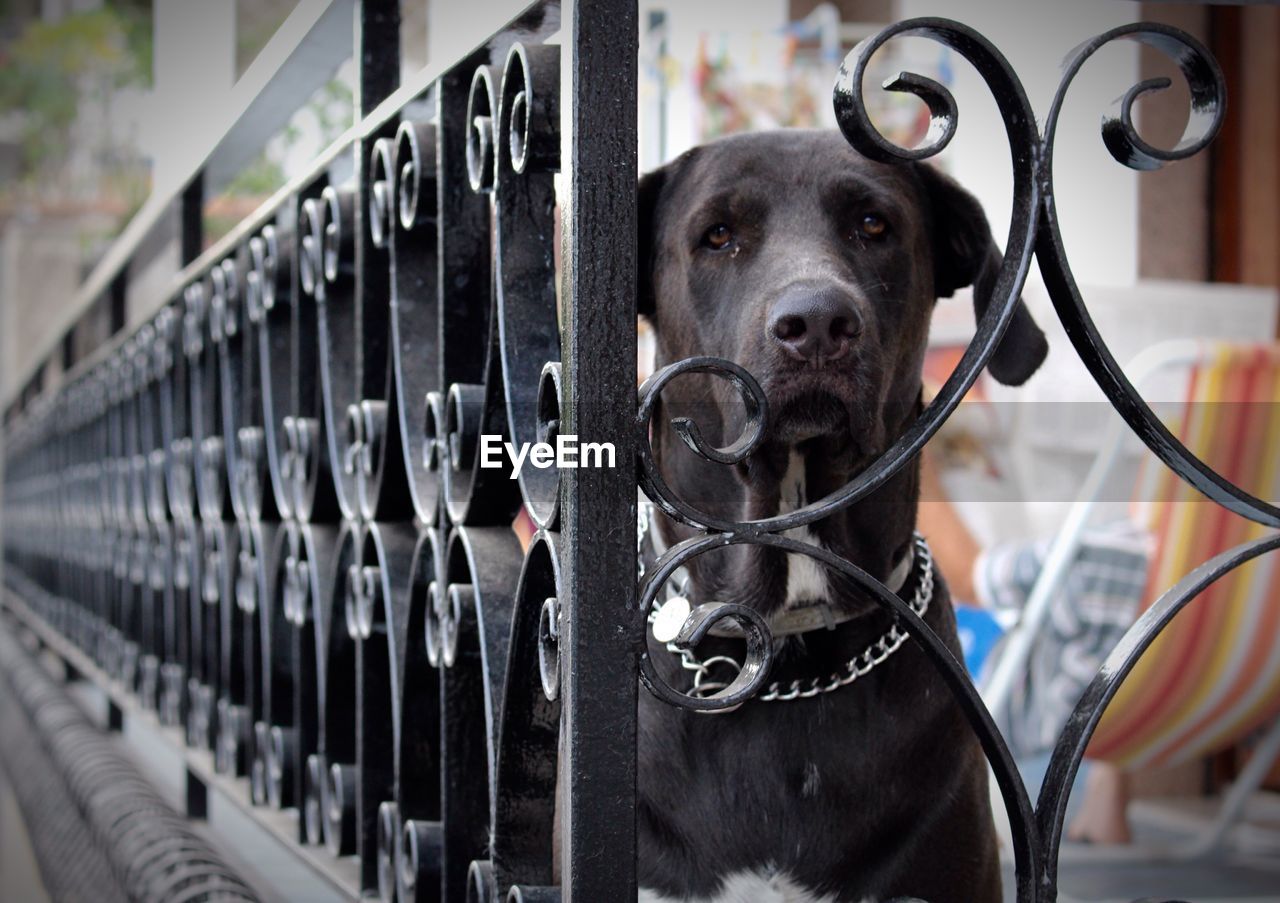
(817, 270)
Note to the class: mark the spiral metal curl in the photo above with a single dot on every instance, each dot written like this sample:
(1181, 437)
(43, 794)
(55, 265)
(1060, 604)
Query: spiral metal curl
(754, 672)
(1208, 108)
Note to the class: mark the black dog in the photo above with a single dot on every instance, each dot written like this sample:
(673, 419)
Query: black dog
(817, 270)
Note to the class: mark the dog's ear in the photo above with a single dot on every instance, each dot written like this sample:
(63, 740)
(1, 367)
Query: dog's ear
(647, 193)
(964, 253)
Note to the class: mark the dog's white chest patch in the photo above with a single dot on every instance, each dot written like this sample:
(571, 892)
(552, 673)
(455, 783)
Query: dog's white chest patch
(806, 578)
(748, 887)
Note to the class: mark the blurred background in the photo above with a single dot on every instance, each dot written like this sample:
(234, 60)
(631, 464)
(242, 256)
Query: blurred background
(109, 109)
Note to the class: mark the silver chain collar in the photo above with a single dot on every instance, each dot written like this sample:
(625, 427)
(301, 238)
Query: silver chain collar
(860, 665)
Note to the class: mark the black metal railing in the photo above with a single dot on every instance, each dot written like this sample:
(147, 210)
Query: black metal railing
(263, 512)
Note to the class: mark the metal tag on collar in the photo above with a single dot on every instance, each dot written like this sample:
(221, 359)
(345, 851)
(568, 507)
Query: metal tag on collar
(670, 619)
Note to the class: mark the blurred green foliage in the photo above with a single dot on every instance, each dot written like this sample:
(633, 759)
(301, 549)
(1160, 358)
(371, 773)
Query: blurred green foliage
(325, 116)
(52, 68)
(256, 22)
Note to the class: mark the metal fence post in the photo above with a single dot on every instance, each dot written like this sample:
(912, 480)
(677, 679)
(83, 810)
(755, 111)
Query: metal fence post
(598, 764)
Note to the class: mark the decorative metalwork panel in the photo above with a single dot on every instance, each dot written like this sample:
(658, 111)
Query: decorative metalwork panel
(265, 513)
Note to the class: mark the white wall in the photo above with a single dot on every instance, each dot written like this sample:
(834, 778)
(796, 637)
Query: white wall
(688, 23)
(456, 26)
(1097, 197)
(195, 60)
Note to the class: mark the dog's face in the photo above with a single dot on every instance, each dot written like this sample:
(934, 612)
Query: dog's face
(817, 270)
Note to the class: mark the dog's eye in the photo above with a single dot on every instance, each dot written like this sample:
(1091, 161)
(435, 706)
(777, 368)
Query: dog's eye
(872, 226)
(717, 237)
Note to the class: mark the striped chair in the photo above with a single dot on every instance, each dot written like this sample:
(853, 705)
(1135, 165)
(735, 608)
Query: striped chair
(1212, 678)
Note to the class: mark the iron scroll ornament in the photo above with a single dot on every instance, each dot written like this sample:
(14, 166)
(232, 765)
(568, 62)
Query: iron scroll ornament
(1034, 231)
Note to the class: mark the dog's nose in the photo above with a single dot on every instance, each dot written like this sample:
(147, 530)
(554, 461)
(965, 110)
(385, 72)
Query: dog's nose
(815, 325)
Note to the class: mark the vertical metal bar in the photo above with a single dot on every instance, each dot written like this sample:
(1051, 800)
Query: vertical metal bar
(191, 220)
(378, 48)
(378, 53)
(377, 40)
(598, 767)
(115, 717)
(118, 298)
(197, 796)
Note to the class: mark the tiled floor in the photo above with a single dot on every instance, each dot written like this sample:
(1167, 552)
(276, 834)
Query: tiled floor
(19, 872)
(1249, 874)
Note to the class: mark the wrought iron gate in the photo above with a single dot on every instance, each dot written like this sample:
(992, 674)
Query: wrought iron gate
(262, 516)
